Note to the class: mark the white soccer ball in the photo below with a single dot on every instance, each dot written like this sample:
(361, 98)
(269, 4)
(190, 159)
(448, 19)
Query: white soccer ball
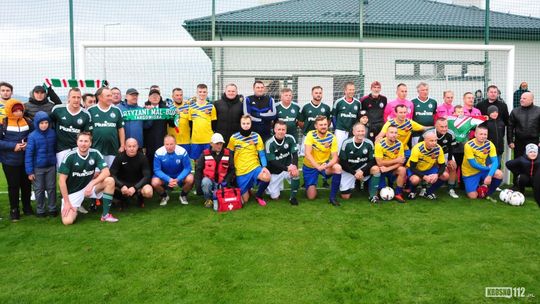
(517, 199)
(387, 193)
(505, 195)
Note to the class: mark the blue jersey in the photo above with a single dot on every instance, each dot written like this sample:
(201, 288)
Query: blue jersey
(171, 165)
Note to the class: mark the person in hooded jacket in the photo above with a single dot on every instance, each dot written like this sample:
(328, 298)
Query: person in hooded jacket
(39, 101)
(40, 163)
(524, 168)
(496, 131)
(229, 110)
(14, 131)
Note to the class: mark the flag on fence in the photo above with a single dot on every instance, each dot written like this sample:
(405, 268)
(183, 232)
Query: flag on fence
(73, 83)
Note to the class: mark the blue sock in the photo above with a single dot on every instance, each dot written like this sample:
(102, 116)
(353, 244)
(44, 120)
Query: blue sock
(334, 188)
(435, 186)
(495, 182)
(262, 188)
(399, 190)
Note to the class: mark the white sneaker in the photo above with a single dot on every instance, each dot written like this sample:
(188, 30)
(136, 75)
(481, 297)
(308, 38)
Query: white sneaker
(422, 192)
(82, 210)
(33, 196)
(109, 218)
(498, 189)
(164, 200)
(183, 200)
(453, 193)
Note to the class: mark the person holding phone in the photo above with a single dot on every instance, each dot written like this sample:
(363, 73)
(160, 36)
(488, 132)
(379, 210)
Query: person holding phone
(13, 133)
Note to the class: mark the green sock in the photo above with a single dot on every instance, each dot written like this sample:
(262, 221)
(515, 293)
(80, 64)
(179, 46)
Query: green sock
(107, 202)
(374, 185)
(451, 186)
(295, 184)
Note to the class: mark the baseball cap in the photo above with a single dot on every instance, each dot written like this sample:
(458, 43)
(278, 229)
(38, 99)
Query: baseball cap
(217, 138)
(153, 91)
(132, 91)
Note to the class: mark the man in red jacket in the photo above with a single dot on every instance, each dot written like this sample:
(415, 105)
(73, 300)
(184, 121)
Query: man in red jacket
(215, 166)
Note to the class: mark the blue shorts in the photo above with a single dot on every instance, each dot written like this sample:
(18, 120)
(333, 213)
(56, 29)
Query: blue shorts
(248, 180)
(407, 155)
(196, 150)
(387, 175)
(472, 182)
(311, 176)
(187, 147)
(433, 170)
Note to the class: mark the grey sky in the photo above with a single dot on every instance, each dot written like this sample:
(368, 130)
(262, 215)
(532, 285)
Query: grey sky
(35, 39)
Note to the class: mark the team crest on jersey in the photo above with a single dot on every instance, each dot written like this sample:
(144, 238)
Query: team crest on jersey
(430, 106)
(364, 151)
(356, 108)
(112, 115)
(381, 105)
(327, 145)
(293, 111)
(445, 141)
(251, 142)
(286, 146)
(178, 161)
(322, 110)
(91, 161)
(79, 121)
(485, 151)
(207, 111)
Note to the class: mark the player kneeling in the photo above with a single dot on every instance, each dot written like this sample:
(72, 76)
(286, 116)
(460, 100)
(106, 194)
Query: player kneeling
(427, 164)
(172, 168)
(249, 161)
(358, 163)
(321, 158)
(77, 180)
(390, 156)
(282, 156)
(477, 169)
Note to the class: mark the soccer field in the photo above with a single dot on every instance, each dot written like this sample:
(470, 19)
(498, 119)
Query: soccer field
(446, 251)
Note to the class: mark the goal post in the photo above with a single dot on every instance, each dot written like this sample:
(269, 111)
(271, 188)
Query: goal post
(300, 65)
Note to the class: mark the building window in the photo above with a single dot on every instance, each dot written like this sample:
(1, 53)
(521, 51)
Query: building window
(439, 70)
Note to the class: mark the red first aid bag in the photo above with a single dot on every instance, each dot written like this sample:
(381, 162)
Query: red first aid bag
(228, 199)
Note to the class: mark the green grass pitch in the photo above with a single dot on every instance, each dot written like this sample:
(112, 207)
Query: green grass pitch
(446, 251)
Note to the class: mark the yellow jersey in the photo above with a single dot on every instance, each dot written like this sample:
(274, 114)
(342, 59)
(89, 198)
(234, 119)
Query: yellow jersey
(480, 153)
(321, 147)
(387, 151)
(182, 133)
(246, 151)
(405, 130)
(425, 159)
(202, 116)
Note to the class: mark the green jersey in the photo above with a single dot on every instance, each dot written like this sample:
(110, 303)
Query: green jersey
(68, 125)
(356, 156)
(281, 155)
(289, 115)
(309, 112)
(424, 111)
(104, 126)
(80, 170)
(345, 114)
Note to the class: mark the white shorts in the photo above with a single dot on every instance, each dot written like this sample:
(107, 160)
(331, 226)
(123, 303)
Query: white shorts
(341, 137)
(348, 181)
(276, 184)
(77, 198)
(60, 157)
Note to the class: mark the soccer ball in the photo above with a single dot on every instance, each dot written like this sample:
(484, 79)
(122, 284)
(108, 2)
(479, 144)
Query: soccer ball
(482, 191)
(505, 195)
(517, 199)
(387, 193)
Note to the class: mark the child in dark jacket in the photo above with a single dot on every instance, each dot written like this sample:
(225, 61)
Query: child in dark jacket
(496, 131)
(14, 131)
(40, 163)
(524, 168)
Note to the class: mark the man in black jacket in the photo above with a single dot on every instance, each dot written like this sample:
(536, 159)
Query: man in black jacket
(39, 101)
(493, 99)
(132, 174)
(153, 136)
(229, 110)
(215, 166)
(523, 125)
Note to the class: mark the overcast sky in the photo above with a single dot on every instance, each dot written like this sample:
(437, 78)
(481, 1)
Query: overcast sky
(35, 39)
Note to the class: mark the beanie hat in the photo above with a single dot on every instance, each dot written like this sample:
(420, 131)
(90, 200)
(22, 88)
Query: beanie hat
(17, 107)
(531, 148)
(492, 109)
